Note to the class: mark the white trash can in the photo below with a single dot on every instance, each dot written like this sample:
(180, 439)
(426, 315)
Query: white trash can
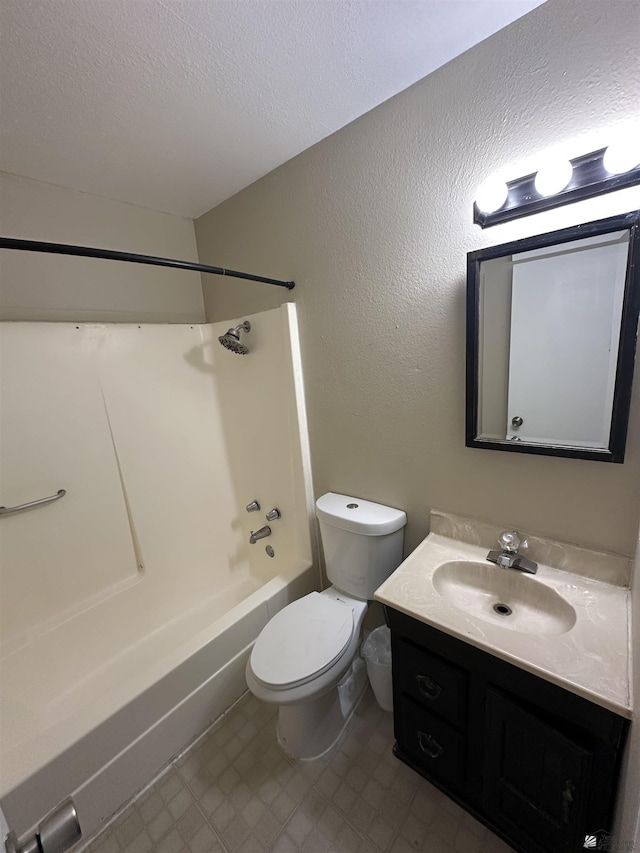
(376, 651)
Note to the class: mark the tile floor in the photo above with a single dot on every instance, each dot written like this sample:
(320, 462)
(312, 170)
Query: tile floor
(234, 791)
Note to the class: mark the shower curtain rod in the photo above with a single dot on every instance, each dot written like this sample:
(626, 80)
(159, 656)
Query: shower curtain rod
(108, 254)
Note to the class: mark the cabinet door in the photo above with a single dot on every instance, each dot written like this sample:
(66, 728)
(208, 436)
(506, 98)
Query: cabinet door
(535, 779)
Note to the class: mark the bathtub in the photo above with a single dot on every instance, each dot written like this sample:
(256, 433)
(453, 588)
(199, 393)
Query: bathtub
(114, 657)
(106, 734)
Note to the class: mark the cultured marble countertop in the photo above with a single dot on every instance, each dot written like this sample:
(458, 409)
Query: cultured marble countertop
(592, 659)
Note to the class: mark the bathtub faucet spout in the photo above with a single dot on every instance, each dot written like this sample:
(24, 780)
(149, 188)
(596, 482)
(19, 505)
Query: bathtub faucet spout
(260, 534)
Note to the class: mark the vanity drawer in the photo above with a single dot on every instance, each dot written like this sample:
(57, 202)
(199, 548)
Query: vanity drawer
(434, 683)
(431, 744)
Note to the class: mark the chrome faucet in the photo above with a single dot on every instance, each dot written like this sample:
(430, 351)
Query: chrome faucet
(260, 534)
(508, 557)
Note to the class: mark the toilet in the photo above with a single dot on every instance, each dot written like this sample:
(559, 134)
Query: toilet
(306, 659)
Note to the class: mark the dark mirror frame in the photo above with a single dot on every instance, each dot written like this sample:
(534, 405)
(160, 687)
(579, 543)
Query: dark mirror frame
(626, 351)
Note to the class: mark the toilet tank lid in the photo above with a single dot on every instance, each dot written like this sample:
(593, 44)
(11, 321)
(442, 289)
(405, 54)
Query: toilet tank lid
(359, 516)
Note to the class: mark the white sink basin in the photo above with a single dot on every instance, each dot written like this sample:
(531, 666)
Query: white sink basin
(505, 597)
(563, 626)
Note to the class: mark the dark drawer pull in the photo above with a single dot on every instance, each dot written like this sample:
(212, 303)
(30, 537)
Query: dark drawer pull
(428, 688)
(567, 800)
(429, 745)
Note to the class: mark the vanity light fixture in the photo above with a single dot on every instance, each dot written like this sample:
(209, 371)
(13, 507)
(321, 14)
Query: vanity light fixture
(559, 182)
(621, 156)
(553, 177)
(492, 194)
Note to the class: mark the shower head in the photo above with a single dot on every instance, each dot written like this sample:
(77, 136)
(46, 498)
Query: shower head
(231, 340)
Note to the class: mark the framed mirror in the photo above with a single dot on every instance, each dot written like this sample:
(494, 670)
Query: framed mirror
(551, 338)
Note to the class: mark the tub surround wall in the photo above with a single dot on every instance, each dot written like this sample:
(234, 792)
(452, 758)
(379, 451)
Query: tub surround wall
(107, 679)
(53, 287)
(128, 421)
(374, 223)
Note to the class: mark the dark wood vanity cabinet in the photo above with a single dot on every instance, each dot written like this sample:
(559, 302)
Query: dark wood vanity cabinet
(537, 764)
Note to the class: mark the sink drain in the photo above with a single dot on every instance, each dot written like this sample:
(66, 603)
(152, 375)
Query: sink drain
(503, 609)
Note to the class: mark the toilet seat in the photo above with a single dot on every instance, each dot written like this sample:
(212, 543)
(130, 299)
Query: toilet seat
(302, 641)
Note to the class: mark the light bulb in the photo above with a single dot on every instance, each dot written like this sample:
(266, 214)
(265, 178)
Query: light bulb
(553, 177)
(621, 156)
(492, 194)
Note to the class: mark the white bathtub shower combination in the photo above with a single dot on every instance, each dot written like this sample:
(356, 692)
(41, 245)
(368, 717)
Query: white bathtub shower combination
(129, 606)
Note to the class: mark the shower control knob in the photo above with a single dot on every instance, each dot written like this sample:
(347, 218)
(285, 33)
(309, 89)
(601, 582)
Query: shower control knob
(273, 514)
(254, 506)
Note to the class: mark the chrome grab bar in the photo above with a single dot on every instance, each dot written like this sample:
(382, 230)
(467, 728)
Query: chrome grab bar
(5, 510)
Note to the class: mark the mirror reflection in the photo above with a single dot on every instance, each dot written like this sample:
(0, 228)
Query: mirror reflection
(548, 369)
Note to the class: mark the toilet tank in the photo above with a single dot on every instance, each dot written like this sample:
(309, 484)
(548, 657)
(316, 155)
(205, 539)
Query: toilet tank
(361, 540)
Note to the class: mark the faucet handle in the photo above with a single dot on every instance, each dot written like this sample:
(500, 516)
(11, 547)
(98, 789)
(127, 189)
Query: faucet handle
(511, 543)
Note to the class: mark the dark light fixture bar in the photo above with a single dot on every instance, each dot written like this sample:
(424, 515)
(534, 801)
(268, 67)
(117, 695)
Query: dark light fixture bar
(589, 178)
(109, 255)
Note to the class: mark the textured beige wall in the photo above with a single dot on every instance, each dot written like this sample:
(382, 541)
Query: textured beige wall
(627, 821)
(374, 224)
(54, 287)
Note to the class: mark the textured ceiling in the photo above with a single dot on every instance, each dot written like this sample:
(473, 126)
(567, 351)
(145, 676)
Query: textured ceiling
(176, 105)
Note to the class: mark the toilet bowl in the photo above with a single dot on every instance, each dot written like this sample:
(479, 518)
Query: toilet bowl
(306, 660)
